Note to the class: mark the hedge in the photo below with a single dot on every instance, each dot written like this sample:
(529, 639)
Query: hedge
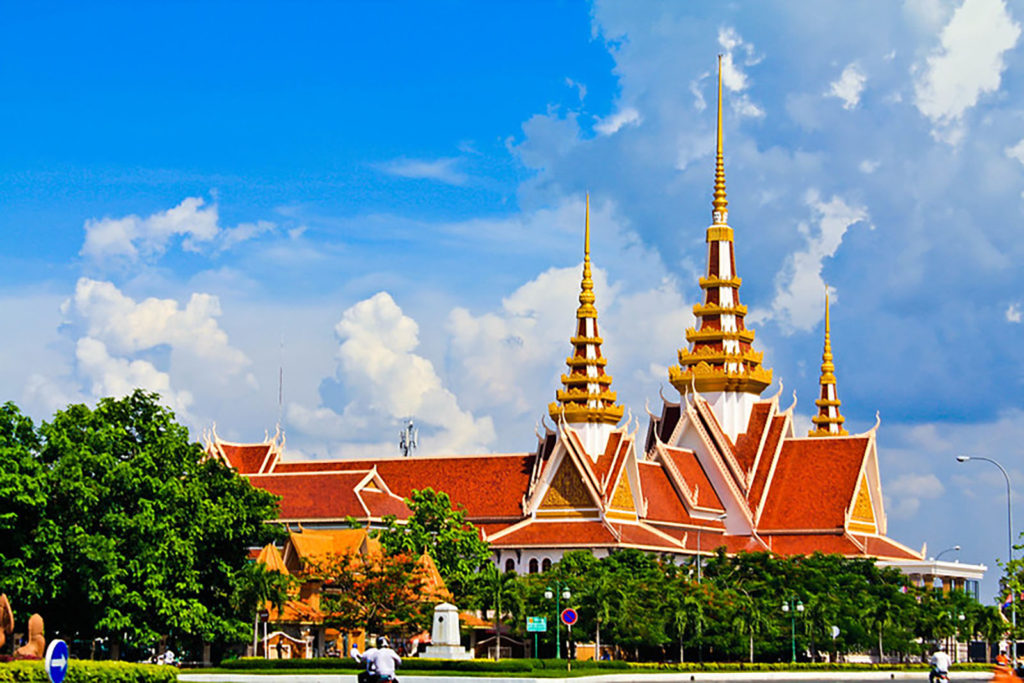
(86, 671)
(525, 665)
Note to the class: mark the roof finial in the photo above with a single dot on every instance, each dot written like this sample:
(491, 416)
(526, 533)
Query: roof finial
(587, 298)
(720, 203)
(828, 421)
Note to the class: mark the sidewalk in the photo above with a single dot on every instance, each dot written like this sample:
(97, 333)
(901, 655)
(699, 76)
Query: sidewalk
(678, 677)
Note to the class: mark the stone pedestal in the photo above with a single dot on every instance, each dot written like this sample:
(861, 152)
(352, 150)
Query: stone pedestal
(445, 642)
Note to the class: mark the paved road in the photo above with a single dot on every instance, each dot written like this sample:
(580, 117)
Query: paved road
(732, 677)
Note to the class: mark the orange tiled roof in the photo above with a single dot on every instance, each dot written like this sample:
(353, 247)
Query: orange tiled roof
(808, 544)
(489, 486)
(760, 478)
(271, 557)
(747, 442)
(693, 474)
(887, 548)
(314, 496)
(556, 534)
(246, 458)
(663, 502)
(326, 542)
(814, 482)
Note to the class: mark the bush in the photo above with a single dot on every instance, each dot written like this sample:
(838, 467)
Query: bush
(84, 671)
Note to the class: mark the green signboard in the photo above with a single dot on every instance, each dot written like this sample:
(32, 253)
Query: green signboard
(536, 624)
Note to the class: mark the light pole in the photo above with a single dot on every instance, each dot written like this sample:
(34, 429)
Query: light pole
(791, 606)
(1009, 533)
(719, 518)
(560, 591)
(955, 548)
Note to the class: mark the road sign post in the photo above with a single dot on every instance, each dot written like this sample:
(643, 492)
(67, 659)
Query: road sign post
(57, 661)
(536, 625)
(569, 617)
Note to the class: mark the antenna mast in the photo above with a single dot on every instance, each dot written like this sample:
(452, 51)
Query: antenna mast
(408, 439)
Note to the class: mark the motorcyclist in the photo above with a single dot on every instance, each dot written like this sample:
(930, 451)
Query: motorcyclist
(385, 661)
(369, 674)
(940, 664)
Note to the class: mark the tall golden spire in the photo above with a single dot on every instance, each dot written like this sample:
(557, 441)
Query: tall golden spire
(828, 421)
(587, 396)
(720, 210)
(720, 356)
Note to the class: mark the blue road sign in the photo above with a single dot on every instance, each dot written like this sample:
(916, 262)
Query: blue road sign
(569, 616)
(57, 661)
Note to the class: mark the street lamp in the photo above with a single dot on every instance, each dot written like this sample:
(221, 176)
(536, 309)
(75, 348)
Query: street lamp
(1009, 532)
(560, 590)
(955, 548)
(792, 606)
(719, 518)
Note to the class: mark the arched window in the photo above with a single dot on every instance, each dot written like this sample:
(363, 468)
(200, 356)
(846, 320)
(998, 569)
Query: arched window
(533, 566)
(510, 565)
(545, 565)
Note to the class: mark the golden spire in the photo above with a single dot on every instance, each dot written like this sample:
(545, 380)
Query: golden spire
(720, 204)
(721, 355)
(828, 421)
(587, 396)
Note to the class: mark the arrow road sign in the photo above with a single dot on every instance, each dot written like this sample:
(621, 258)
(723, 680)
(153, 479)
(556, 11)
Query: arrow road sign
(56, 661)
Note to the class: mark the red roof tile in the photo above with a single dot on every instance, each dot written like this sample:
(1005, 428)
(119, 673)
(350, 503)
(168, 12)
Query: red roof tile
(489, 486)
(663, 502)
(814, 483)
(693, 474)
(640, 535)
(764, 465)
(748, 441)
(246, 458)
(558, 533)
(380, 504)
(314, 496)
(887, 548)
(808, 544)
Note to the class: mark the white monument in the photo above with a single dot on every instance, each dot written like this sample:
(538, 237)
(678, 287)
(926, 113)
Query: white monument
(444, 634)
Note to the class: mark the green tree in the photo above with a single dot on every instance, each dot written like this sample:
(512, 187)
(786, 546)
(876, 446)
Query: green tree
(150, 535)
(436, 528)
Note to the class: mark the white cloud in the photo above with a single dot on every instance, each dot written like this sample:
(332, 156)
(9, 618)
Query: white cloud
(117, 377)
(799, 285)
(614, 122)
(1013, 313)
(132, 237)
(849, 86)
(581, 88)
(734, 78)
(444, 170)
(385, 381)
(903, 495)
(1016, 152)
(968, 64)
(868, 166)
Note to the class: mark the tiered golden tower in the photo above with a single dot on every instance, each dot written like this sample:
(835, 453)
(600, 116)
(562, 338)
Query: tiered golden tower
(828, 421)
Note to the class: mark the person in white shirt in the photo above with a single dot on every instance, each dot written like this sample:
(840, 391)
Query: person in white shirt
(385, 660)
(369, 675)
(940, 664)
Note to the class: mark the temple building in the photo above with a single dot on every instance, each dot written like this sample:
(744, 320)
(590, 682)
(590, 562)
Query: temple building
(722, 466)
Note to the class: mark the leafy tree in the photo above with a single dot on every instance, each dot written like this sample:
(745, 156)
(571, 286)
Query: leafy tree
(149, 535)
(378, 592)
(436, 528)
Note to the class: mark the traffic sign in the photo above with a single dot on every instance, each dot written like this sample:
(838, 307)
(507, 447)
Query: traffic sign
(536, 624)
(264, 615)
(56, 661)
(569, 616)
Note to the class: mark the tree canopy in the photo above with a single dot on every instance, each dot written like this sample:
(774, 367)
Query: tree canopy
(117, 525)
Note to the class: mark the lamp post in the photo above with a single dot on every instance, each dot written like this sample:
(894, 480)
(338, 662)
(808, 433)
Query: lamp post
(560, 590)
(792, 606)
(1009, 533)
(955, 548)
(719, 518)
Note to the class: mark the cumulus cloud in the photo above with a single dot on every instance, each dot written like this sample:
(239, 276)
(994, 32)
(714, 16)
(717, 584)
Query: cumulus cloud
(904, 494)
(133, 238)
(738, 53)
(1013, 313)
(620, 119)
(111, 376)
(968, 64)
(799, 285)
(382, 381)
(1016, 152)
(849, 86)
(444, 170)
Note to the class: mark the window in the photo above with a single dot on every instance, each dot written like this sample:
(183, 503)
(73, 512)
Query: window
(510, 565)
(533, 566)
(545, 565)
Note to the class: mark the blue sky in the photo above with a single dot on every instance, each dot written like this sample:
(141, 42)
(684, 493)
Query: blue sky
(386, 200)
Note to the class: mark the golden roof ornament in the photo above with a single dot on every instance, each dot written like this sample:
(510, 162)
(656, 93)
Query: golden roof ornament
(720, 356)
(587, 394)
(828, 421)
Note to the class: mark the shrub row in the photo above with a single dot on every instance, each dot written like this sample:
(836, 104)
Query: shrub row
(524, 665)
(85, 671)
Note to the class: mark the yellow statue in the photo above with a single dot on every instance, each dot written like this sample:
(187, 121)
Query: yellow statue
(6, 619)
(35, 646)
